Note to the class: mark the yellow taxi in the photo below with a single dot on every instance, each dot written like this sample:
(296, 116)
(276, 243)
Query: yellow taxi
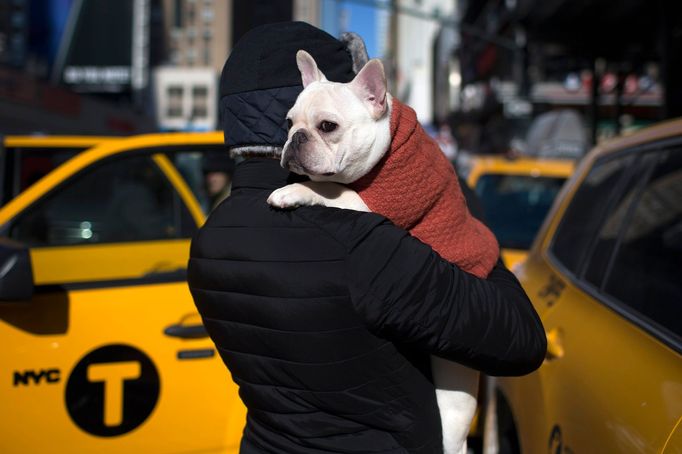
(515, 196)
(103, 350)
(605, 275)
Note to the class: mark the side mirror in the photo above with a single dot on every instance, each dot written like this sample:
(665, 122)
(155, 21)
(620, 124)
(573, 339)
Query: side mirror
(16, 274)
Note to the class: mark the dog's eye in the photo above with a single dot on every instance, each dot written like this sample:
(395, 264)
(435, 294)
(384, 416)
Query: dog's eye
(289, 123)
(327, 126)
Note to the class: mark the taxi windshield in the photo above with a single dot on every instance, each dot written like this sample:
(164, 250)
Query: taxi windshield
(515, 205)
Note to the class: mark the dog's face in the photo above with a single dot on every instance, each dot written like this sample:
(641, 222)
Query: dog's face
(337, 132)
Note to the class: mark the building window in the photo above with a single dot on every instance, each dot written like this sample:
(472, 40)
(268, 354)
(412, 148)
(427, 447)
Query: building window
(199, 102)
(177, 13)
(191, 56)
(207, 56)
(18, 20)
(191, 13)
(174, 109)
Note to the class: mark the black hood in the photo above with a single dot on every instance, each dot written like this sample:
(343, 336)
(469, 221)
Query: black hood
(260, 80)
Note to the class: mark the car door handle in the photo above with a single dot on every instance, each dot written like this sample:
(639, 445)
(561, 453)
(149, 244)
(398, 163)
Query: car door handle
(186, 331)
(555, 345)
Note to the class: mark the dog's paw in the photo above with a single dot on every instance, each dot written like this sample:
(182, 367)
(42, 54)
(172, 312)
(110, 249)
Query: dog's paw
(292, 196)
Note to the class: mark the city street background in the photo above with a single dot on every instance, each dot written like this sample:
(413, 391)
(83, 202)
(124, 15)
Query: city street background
(561, 116)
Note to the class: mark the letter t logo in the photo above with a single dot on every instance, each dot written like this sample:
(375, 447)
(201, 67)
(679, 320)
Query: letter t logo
(113, 375)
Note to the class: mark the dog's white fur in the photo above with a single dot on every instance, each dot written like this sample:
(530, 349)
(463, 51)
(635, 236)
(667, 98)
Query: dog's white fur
(361, 111)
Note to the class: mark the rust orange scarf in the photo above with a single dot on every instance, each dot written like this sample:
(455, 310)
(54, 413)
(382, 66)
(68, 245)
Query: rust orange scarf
(415, 186)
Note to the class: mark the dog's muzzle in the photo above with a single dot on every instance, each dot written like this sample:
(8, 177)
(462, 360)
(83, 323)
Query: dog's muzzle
(294, 161)
(299, 137)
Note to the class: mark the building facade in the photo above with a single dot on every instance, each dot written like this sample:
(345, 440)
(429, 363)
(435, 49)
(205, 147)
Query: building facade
(199, 35)
(417, 27)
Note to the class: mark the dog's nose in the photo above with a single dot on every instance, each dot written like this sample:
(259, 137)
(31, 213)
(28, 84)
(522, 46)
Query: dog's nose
(299, 137)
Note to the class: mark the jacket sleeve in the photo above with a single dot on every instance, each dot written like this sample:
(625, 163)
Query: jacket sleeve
(407, 293)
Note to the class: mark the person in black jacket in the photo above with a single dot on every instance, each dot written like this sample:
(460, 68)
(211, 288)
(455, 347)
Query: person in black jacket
(326, 317)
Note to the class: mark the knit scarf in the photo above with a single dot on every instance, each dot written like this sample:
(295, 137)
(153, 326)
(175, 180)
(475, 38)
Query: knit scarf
(415, 186)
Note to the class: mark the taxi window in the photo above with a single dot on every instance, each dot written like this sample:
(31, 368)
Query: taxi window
(646, 272)
(515, 205)
(614, 220)
(587, 209)
(207, 172)
(120, 200)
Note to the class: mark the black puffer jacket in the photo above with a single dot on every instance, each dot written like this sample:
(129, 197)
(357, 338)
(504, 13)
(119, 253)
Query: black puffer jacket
(318, 313)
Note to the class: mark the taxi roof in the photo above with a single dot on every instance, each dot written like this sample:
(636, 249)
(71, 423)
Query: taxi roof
(522, 162)
(643, 137)
(49, 141)
(523, 165)
(655, 133)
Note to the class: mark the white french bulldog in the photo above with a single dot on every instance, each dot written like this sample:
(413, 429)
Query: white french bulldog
(337, 134)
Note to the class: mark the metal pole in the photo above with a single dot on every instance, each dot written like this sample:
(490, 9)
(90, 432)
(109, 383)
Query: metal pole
(620, 79)
(491, 437)
(3, 174)
(671, 61)
(594, 98)
(393, 46)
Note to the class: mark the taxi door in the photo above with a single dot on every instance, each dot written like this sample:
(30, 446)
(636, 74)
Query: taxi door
(628, 400)
(109, 355)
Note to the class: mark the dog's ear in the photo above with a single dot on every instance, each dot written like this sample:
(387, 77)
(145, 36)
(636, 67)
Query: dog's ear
(309, 72)
(370, 86)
